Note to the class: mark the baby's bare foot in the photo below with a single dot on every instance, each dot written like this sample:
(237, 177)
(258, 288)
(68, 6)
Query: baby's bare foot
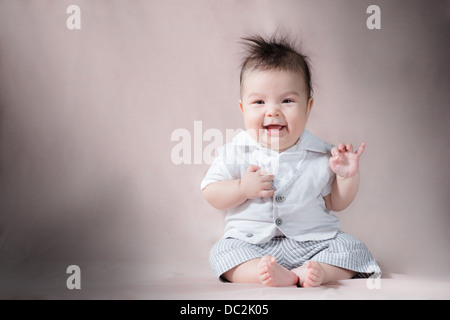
(274, 275)
(314, 275)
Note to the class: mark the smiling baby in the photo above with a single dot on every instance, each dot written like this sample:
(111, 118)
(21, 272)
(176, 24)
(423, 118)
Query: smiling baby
(280, 227)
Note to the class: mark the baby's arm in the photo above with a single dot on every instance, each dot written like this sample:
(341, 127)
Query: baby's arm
(345, 163)
(228, 194)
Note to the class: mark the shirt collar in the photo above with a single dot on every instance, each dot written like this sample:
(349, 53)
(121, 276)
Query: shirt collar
(307, 142)
(310, 142)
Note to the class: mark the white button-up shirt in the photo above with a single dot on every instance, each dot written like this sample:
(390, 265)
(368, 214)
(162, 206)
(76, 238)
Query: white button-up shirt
(302, 177)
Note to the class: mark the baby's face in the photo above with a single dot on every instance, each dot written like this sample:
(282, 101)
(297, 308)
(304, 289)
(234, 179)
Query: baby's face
(275, 107)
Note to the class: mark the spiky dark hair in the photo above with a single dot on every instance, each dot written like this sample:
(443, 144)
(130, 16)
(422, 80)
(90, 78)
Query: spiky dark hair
(277, 53)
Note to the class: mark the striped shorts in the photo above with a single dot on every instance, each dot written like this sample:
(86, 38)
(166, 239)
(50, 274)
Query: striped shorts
(344, 251)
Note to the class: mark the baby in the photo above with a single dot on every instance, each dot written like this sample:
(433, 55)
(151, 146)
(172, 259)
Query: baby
(280, 184)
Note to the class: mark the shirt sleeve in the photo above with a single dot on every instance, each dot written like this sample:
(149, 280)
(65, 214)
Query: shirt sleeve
(327, 190)
(331, 175)
(217, 172)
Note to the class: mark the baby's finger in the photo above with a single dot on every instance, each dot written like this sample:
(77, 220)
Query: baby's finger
(334, 151)
(266, 186)
(252, 168)
(341, 147)
(360, 150)
(349, 147)
(266, 193)
(267, 177)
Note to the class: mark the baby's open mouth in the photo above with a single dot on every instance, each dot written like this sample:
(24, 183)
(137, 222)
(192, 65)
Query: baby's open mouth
(274, 128)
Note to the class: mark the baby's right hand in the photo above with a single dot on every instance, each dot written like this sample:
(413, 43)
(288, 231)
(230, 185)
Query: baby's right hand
(254, 184)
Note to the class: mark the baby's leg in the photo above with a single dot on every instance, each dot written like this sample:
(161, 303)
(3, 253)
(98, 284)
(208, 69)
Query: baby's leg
(264, 270)
(243, 273)
(313, 274)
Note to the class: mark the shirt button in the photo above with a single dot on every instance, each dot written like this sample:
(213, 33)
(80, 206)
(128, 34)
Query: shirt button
(278, 222)
(280, 198)
(249, 235)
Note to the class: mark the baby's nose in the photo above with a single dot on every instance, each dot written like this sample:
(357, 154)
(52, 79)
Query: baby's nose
(272, 112)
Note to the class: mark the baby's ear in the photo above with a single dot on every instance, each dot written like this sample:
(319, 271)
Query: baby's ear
(310, 103)
(241, 107)
(309, 106)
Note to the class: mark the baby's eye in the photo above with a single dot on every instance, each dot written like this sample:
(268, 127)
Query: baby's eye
(287, 101)
(258, 102)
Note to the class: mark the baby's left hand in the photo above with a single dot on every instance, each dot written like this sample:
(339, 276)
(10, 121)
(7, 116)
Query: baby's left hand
(344, 162)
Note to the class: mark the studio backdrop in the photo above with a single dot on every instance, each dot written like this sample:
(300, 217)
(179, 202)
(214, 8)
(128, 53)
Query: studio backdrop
(110, 112)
